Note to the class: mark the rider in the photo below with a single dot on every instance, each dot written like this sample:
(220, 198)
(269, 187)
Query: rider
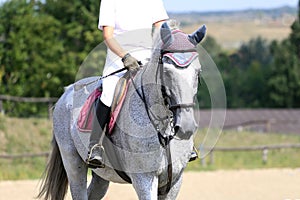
(116, 18)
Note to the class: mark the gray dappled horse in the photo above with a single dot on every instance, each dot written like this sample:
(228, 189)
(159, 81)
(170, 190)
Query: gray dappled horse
(153, 136)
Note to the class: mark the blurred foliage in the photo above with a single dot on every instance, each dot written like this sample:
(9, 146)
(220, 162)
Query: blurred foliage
(41, 47)
(43, 44)
(259, 74)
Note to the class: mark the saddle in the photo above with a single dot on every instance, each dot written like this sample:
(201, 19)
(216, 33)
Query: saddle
(86, 115)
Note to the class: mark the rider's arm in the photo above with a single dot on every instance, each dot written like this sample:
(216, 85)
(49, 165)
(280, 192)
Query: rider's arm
(111, 43)
(129, 62)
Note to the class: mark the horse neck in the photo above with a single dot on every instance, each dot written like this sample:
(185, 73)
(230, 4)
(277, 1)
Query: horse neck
(151, 72)
(148, 82)
(150, 77)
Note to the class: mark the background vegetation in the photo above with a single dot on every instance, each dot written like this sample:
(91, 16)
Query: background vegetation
(42, 46)
(260, 73)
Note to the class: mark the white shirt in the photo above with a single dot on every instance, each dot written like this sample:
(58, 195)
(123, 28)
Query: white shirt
(128, 15)
(132, 21)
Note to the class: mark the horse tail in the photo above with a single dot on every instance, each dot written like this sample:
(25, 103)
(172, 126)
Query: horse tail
(54, 185)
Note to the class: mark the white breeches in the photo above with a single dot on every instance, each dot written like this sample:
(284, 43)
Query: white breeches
(113, 64)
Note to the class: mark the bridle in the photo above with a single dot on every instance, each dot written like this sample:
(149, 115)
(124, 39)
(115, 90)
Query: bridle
(171, 108)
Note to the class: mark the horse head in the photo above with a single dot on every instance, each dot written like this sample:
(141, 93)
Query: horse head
(180, 70)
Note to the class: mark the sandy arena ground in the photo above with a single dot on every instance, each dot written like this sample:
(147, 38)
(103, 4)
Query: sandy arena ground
(270, 184)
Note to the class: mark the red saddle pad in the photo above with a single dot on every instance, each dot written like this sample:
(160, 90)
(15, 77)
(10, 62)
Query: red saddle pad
(86, 115)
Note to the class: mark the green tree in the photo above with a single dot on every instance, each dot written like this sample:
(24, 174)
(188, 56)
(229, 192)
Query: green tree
(79, 32)
(212, 47)
(254, 90)
(284, 82)
(255, 51)
(30, 50)
(42, 44)
(245, 74)
(295, 35)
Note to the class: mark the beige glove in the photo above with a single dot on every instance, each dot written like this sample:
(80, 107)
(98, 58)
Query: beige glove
(130, 62)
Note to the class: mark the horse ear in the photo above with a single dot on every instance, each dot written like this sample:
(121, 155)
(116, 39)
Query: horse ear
(196, 37)
(166, 35)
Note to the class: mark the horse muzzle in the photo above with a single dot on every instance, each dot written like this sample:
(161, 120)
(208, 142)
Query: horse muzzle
(185, 125)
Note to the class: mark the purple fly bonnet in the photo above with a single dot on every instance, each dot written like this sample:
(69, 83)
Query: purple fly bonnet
(181, 46)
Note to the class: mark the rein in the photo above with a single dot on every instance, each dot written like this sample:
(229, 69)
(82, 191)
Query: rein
(80, 86)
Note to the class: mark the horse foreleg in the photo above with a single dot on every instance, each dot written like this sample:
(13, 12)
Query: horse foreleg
(97, 188)
(145, 185)
(172, 194)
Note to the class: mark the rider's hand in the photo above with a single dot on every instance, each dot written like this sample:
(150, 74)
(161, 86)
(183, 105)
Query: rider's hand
(130, 62)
